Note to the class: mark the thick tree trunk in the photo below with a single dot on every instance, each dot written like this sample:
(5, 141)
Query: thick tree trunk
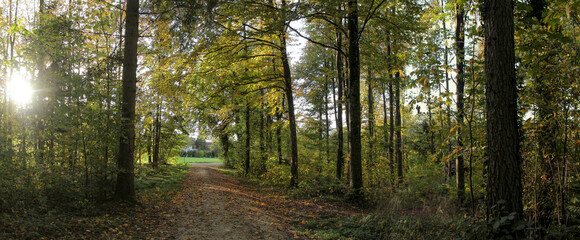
(504, 171)
(125, 188)
(356, 181)
(460, 53)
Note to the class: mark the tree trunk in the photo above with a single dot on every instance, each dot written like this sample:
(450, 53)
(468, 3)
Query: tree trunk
(339, 124)
(391, 111)
(398, 139)
(224, 139)
(448, 112)
(327, 121)
(290, 98)
(430, 116)
(247, 146)
(504, 171)
(292, 118)
(157, 134)
(371, 119)
(385, 124)
(460, 52)
(356, 181)
(279, 135)
(125, 188)
(263, 153)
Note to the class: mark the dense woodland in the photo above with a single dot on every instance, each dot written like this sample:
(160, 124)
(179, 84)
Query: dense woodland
(468, 107)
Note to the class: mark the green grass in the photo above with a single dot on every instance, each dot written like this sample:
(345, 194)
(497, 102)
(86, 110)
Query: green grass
(198, 160)
(162, 181)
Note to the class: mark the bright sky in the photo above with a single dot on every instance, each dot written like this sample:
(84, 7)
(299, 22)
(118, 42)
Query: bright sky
(296, 43)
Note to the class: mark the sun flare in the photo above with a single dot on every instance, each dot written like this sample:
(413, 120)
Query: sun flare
(19, 89)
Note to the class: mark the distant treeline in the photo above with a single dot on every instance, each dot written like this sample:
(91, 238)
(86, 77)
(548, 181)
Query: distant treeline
(198, 153)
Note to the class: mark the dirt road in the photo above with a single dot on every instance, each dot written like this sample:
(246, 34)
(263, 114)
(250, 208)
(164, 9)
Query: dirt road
(215, 206)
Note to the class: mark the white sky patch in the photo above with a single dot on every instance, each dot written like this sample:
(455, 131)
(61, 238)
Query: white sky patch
(296, 43)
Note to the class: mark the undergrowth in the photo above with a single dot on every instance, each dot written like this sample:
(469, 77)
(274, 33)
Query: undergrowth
(374, 226)
(90, 219)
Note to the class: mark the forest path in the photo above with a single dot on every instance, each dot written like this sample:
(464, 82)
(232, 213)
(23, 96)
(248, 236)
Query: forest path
(212, 205)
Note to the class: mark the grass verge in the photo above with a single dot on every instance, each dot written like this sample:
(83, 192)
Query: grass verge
(197, 160)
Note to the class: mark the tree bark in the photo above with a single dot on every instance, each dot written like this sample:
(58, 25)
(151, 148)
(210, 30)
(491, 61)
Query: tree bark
(224, 139)
(371, 118)
(446, 64)
(339, 124)
(291, 116)
(247, 147)
(386, 123)
(125, 188)
(263, 152)
(157, 134)
(327, 121)
(356, 181)
(504, 171)
(460, 52)
(398, 139)
(279, 135)
(391, 116)
(290, 98)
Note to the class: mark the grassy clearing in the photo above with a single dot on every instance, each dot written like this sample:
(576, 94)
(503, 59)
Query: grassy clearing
(198, 160)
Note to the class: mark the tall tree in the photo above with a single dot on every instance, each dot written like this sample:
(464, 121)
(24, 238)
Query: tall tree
(156, 133)
(356, 181)
(504, 167)
(398, 135)
(247, 146)
(371, 118)
(289, 96)
(391, 114)
(340, 83)
(460, 54)
(125, 188)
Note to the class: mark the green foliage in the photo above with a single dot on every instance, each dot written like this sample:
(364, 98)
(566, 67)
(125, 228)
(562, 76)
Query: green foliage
(374, 227)
(503, 227)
